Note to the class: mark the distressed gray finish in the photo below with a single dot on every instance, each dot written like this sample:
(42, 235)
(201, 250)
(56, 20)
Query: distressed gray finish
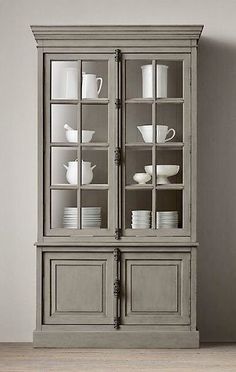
(93, 290)
(77, 288)
(157, 288)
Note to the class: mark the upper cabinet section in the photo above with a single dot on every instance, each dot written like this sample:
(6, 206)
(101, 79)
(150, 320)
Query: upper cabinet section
(117, 132)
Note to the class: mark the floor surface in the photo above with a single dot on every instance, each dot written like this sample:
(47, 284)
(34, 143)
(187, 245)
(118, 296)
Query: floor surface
(210, 357)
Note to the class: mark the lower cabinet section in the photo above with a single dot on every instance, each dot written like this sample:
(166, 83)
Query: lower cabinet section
(155, 288)
(77, 288)
(115, 297)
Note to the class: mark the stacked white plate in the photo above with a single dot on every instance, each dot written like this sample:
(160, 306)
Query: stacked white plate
(91, 217)
(141, 219)
(70, 219)
(167, 220)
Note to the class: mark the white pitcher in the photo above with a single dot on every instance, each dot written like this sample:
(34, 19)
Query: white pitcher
(161, 81)
(90, 88)
(71, 86)
(72, 172)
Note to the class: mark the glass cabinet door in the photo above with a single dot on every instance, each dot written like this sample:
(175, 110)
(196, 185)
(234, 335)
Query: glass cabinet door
(79, 143)
(85, 192)
(155, 145)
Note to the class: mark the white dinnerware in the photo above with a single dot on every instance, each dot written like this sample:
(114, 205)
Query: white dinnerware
(167, 220)
(72, 134)
(141, 219)
(70, 220)
(163, 172)
(72, 172)
(141, 178)
(90, 88)
(162, 132)
(161, 81)
(90, 217)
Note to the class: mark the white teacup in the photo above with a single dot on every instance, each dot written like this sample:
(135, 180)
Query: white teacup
(162, 132)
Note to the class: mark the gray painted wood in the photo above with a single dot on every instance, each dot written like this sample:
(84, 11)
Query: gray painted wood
(157, 288)
(118, 340)
(76, 269)
(77, 288)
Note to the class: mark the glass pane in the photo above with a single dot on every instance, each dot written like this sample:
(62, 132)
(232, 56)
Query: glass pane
(169, 201)
(140, 201)
(169, 166)
(137, 115)
(64, 80)
(64, 209)
(60, 116)
(63, 166)
(94, 166)
(138, 82)
(169, 79)
(94, 123)
(94, 212)
(136, 160)
(171, 116)
(94, 79)
(139, 79)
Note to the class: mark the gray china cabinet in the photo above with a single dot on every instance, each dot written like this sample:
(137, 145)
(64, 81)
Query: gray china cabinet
(116, 248)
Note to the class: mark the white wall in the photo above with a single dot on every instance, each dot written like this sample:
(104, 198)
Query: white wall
(217, 147)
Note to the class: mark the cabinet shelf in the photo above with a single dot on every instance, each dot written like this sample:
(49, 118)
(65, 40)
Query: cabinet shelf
(147, 146)
(98, 101)
(93, 186)
(170, 186)
(63, 101)
(85, 146)
(158, 100)
(82, 187)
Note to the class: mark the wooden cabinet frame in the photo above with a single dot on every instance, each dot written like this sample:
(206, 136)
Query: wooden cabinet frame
(107, 308)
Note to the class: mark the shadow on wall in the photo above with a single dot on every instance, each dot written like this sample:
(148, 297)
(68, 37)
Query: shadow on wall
(217, 190)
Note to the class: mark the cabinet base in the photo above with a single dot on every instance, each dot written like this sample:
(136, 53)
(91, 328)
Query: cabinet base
(117, 339)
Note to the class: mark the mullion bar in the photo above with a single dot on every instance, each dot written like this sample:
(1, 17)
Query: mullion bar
(154, 146)
(79, 116)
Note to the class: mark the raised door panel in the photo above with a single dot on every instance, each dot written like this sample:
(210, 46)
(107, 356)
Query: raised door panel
(155, 288)
(77, 288)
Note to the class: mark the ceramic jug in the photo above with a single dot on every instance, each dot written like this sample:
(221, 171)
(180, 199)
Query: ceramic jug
(72, 172)
(161, 81)
(90, 88)
(71, 87)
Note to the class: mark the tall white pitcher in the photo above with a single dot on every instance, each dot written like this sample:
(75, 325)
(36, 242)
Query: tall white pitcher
(90, 88)
(71, 86)
(161, 81)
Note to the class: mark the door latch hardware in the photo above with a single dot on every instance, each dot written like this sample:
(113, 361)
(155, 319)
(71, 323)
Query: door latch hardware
(117, 234)
(116, 322)
(117, 55)
(117, 156)
(116, 288)
(116, 254)
(118, 103)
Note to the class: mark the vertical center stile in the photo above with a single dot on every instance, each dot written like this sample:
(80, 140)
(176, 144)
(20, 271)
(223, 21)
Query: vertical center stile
(154, 145)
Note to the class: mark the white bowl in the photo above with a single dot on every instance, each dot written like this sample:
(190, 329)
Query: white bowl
(141, 178)
(72, 135)
(163, 172)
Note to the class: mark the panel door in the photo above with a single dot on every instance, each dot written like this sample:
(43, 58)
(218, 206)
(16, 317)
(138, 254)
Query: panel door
(77, 288)
(155, 288)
